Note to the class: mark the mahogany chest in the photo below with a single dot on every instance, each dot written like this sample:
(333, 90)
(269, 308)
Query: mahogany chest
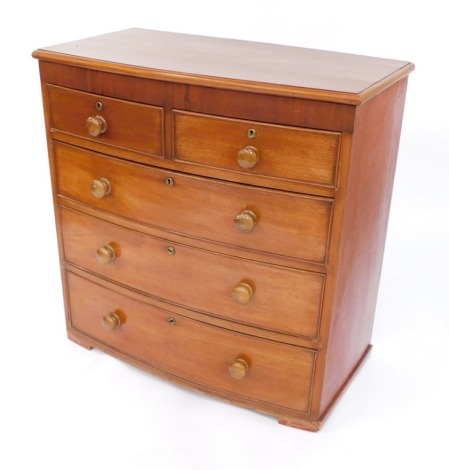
(222, 208)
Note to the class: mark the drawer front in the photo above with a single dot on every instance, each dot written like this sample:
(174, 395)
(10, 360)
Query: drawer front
(277, 373)
(255, 294)
(281, 152)
(129, 125)
(280, 223)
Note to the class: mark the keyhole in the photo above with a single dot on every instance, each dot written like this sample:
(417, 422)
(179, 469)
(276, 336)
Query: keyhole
(170, 250)
(251, 133)
(99, 105)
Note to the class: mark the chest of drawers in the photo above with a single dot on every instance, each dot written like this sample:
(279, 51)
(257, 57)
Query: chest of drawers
(221, 209)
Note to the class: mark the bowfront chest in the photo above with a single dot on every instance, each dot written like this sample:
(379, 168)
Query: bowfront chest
(221, 209)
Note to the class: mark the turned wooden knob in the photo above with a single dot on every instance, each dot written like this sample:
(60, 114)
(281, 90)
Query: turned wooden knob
(100, 188)
(248, 157)
(111, 321)
(242, 293)
(105, 254)
(245, 221)
(96, 125)
(238, 368)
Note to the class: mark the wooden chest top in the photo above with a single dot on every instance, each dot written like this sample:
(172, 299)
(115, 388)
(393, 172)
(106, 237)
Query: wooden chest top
(233, 64)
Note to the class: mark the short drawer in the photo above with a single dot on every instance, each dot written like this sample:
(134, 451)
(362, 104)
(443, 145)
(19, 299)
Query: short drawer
(240, 365)
(252, 219)
(281, 152)
(118, 123)
(255, 294)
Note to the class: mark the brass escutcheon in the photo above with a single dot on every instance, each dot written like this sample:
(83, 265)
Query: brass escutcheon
(172, 321)
(99, 105)
(170, 250)
(252, 134)
(169, 182)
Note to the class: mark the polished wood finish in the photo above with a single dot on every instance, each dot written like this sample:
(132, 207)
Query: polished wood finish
(280, 374)
(363, 232)
(122, 123)
(242, 293)
(106, 254)
(233, 64)
(96, 125)
(245, 221)
(287, 153)
(100, 187)
(286, 224)
(248, 157)
(111, 321)
(284, 300)
(239, 368)
(221, 219)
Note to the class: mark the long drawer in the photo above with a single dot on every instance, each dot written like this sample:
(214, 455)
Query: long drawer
(241, 365)
(256, 294)
(253, 219)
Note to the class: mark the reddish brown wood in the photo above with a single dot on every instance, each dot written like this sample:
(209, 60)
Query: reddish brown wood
(240, 65)
(278, 374)
(286, 153)
(178, 228)
(356, 263)
(290, 225)
(284, 300)
(130, 125)
(189, 97)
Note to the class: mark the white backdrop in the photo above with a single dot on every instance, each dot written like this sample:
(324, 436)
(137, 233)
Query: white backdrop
(62, 407)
